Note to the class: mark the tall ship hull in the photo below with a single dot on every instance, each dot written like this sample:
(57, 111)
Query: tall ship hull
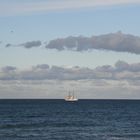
(71, 100)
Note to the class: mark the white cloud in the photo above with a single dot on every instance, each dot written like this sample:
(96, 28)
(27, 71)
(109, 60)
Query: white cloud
(92, 89)
(118, 42)
(17, 8)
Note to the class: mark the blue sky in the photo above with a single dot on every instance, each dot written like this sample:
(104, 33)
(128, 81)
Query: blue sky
(30, 20)
(49, 25)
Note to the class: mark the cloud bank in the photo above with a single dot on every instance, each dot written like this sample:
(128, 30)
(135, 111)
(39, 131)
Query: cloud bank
(42, 81)
(118, 42)
(20, 8)
(121, 70)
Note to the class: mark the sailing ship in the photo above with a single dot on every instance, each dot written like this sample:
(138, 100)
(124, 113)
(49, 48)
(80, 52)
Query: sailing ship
(71, 97)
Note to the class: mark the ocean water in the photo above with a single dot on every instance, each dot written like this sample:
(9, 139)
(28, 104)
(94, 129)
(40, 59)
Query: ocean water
(60, 120)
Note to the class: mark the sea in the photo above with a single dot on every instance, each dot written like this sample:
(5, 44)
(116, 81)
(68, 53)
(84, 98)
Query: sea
(54, 119)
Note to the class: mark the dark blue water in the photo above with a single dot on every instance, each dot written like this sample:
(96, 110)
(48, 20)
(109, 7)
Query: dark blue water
(60, 120)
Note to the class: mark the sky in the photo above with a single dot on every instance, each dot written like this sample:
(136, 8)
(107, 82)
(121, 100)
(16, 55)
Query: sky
(48, 47)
